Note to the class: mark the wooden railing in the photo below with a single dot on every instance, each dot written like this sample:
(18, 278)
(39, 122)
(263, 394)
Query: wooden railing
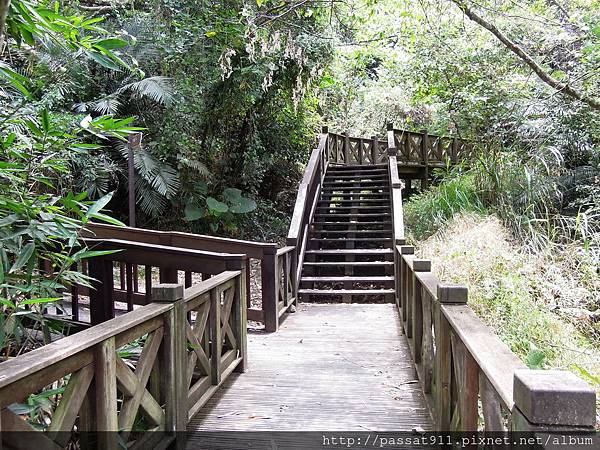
(271, 263)
(129, 260)
(306, 202)
(150, 369)
(429, 149)
(415, 148)
(345, 150)
(463, 367)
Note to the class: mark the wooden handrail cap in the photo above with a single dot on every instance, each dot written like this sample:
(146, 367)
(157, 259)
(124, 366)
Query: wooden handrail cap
(452, 293)
(406, 249)
(167, 292)
(421, 265)
(554, 397)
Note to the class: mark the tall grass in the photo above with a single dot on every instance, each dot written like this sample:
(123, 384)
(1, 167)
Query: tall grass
(426, 212)
(540, 200)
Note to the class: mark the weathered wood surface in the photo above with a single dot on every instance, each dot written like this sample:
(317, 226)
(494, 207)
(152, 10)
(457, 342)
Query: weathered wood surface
(322, 371)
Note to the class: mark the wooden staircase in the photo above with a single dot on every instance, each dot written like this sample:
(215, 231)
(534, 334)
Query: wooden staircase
(349, 254)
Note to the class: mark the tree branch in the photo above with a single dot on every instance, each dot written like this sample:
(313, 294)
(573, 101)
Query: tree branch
(525, 57)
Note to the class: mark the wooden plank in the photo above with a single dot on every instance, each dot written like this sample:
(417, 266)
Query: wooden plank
(345, 291)
(66, 412)
(208, 285)
(165, 256)
(466, 374)
(493, 356)
(348, 278)
(105, 379)
(178, 239)
(341, 370)
(354, 251)
(490, 405)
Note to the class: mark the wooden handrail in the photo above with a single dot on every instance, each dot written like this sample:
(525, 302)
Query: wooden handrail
(312, 168)
(188, 241)
(451, 344)
(263, 251)
(184, 359)
(497, 362)
(25, 365)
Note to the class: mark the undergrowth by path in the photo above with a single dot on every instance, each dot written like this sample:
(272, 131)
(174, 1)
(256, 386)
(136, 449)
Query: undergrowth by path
(539, 305)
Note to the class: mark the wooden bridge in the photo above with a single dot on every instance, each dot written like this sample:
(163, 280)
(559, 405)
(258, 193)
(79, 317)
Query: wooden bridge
(163, 342)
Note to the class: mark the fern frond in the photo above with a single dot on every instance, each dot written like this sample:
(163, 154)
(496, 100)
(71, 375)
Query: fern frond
(159, 175)
(198, 166)
(158, 89)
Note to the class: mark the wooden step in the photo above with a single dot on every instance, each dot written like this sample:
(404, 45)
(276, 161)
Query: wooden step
(362, 185)
(350, 208)
(342, 167)
(383, 222)
(351, 182)
(379, 195)
(352, 251)
(366, 200)
(353, 239)
(358, 176)
(349, 263)
(375, 279)
(352, 215)
(345, 291)
(352, 231)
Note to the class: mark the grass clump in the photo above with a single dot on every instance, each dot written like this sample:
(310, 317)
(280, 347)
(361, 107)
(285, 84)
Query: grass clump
(427, 211)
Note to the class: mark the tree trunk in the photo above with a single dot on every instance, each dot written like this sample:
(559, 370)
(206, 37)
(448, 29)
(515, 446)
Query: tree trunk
(4, 7)
(525, 57)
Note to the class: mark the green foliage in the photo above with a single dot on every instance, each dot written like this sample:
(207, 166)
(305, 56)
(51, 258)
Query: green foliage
(428, 211)
(41, 215)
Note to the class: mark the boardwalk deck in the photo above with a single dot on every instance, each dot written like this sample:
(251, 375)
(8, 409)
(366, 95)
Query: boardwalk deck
(330, 367)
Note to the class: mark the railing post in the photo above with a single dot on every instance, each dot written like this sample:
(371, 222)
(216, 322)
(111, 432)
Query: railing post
(375, 149)
(241, 320)
(293, 271)
(173, 361)
(425, 156)
(418, 265)
(216, 342)
(270, 280)
(416, 307)
(391, 150)
(402, 277)
(443, 352)
(552, 402)
(346, 148)
(105, 385)
(102, 307)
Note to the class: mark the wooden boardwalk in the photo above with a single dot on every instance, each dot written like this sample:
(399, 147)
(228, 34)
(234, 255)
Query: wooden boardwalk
(344, 367)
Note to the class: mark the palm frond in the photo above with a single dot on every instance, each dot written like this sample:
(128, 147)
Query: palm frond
(150, 201)
(194, 164)
(158, 89)
(159, 175)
